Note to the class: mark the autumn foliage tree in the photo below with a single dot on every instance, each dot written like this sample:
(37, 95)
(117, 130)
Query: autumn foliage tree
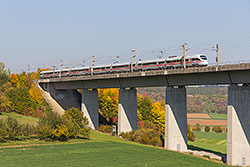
(19, 94)
(144, 107)
(108, 104)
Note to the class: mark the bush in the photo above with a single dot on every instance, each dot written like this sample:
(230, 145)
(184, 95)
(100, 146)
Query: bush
(224, 129)
(147, 134)
(196, 127)
(47, 124)
(10, 129)
(70, 125)
(190, 134)
(218, 129)
(28, 129)
(13, 128)
(77, 123)
(3, 132)
(129, 135)
(105, 128)
(207, 129)
(61, 132)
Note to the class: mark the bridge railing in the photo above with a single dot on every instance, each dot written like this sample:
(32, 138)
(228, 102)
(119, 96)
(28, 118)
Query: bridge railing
(230, 62)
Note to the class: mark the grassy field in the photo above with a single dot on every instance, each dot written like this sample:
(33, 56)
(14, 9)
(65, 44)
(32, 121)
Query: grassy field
(100, 150)
(22, 119)
(218, 116)
(212, 142)
(211, 115)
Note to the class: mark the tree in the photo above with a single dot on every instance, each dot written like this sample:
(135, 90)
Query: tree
(4, 74)
(108, 104)
(19, 99)
(77, 123)
(144, 107)
(158, 115)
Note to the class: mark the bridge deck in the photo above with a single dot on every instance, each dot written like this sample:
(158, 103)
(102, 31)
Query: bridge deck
(225, 74)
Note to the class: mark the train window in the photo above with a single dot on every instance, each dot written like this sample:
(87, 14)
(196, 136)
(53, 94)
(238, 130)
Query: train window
(161, 62)
(203, 57)
(151, 63)
(118, 66)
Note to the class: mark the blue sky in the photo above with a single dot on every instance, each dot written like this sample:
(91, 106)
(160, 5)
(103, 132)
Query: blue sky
(42, 32)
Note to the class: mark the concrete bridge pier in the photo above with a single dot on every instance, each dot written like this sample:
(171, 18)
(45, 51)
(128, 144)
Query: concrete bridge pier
(176, 119)
(238, 135)
(127, 110)
(90, 107)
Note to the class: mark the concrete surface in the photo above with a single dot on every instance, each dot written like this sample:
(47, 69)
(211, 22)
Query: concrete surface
(238, 136)
(90, 107)
(127, 110)
(65, 98)
(52, 102)
(176, 119)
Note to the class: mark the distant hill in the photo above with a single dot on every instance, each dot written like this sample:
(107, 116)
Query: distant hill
(200, 99)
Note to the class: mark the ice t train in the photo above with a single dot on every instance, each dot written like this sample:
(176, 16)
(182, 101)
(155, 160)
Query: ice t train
(171, 62)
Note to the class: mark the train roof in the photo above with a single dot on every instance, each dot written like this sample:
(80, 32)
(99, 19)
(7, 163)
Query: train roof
(126, 63)
(196, 55)
(152, 60)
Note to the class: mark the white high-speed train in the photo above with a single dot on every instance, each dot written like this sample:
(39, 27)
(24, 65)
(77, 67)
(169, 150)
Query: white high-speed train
(172, 62)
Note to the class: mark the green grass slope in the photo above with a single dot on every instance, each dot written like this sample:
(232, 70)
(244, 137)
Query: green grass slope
(21, 118)
(213, 142)
(100, 150)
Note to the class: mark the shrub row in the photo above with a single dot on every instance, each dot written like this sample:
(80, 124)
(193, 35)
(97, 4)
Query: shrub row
(147, 134)
(217, 129)
(10, 129)
(50, 127)
(105, 128)
(70, 125)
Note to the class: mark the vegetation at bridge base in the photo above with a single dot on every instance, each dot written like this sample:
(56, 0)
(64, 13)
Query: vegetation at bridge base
(147, 133)
(150, 116)
(105, 128)
(108, 104)
(55, 127)
(51, 126)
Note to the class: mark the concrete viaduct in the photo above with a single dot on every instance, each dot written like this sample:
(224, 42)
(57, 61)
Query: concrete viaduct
(237, 76)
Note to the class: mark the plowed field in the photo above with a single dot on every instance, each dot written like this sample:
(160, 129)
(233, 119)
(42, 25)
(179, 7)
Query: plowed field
(206, 122)
(198, 115)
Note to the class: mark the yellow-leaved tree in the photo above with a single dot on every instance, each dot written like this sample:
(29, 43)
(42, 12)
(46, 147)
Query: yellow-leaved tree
(158, 113)
(108, 104)
(35, 94)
